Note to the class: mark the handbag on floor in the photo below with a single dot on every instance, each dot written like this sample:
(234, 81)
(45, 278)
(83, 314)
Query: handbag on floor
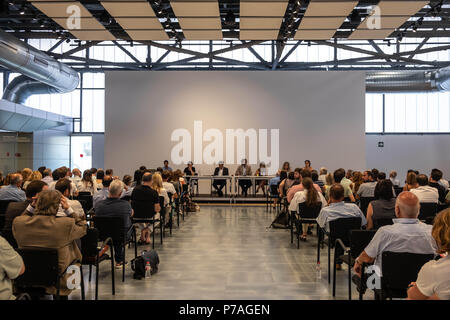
(138, 264)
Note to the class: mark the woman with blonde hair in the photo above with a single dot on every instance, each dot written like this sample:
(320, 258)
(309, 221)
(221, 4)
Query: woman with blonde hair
(35, 176)
(329, 181)
(411, 181)
(433, 280)
(357, 180)
(157, 185)
(44, 230)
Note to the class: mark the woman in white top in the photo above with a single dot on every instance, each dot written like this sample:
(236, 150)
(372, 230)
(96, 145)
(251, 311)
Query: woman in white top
(87, 185)
(309, 195)
(433, 281)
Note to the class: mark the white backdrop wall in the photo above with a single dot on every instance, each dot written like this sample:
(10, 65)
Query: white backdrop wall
(320, 115)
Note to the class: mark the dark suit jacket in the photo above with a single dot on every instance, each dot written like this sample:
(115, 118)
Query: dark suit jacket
(14, 210)
(225, 171)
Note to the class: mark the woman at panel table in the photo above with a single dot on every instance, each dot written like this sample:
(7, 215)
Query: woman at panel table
(286, 167)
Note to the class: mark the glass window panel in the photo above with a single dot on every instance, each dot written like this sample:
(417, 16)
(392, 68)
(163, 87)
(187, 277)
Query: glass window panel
(374, 113)
(81, 152)
(93, 111)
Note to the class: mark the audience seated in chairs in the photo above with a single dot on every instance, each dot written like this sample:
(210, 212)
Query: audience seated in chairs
(113, 206)
(13, 191)
(407, 234)
(169, 187)
(145, 199)
(411, 181)
(384, 207)
(433, 281)
(311, 197)
(88, 184)
(337, 209)
(45, 230)
(127, 187)
(424, 192)
(157, 185)
(16, 209)
(11, 266)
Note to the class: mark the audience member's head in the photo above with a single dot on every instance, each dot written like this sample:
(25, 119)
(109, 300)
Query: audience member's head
(100, 174)
(283, 175)
(349, 174)
(314, 175)
(41, 170)
(127, 180)
(106, 181)
(311, 195)
(357, 177)
(407, 205)
(34, 188)
(47, 203)
(157, 182)
(115, 188)
(63, 185)
(76, 172)
(329, 180)
(381, 176)
(165, 176)
(159, 169)
(286, 166)
(368, 176)
(393, 174)
(16, 180)
(436, 175)
(87, 176)
(47, 172)
(142, 168)
(94, 171)
(147, 179)
(422, 180)
(36, 175)
(291, 175)
(441, 231)
(305, 173)
(384, 189)
(336, 193)
(138, 176)
(375, 174)
(323, 171)
(297, 173)
(338, 175)
(26, 173)
(411, 178)
(109, 172)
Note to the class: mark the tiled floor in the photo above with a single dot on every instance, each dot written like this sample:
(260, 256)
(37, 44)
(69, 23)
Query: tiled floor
(227, 253)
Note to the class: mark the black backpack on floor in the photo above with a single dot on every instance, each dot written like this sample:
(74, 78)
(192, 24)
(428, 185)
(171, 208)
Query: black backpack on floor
(138, 264)
(281, 221)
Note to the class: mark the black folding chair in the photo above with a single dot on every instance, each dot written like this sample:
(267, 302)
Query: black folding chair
(144, 214)
(112, 230)
(364, 203)
(91, 255)
(339, 229)
(428, 211)
(378, 223)
(86, 201)
(307, 214)
(399, 270)
(358, 241)
(171, 205)
(42, 270)
(3, 206)
(273, 194)
(398, 190)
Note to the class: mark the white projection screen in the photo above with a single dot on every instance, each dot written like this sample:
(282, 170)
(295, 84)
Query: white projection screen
(184, 115)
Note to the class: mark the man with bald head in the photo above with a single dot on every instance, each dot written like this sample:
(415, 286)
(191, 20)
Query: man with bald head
(13, 191)
(407, 234)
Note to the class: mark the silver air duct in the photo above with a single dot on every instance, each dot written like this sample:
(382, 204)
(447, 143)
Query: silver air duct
(408, 81)
(42, 73)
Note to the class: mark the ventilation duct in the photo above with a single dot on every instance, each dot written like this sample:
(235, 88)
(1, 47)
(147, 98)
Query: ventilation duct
(408, 81)
(42, 73)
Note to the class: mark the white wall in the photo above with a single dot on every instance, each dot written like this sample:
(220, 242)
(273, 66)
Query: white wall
(403, 152)
(320, 115)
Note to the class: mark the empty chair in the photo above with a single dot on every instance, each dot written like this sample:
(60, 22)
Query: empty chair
(378, 223)
(428, 211)
(364, 203)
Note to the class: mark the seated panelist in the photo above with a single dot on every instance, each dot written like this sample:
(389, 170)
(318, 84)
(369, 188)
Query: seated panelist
(244, 170)
(219, 184)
